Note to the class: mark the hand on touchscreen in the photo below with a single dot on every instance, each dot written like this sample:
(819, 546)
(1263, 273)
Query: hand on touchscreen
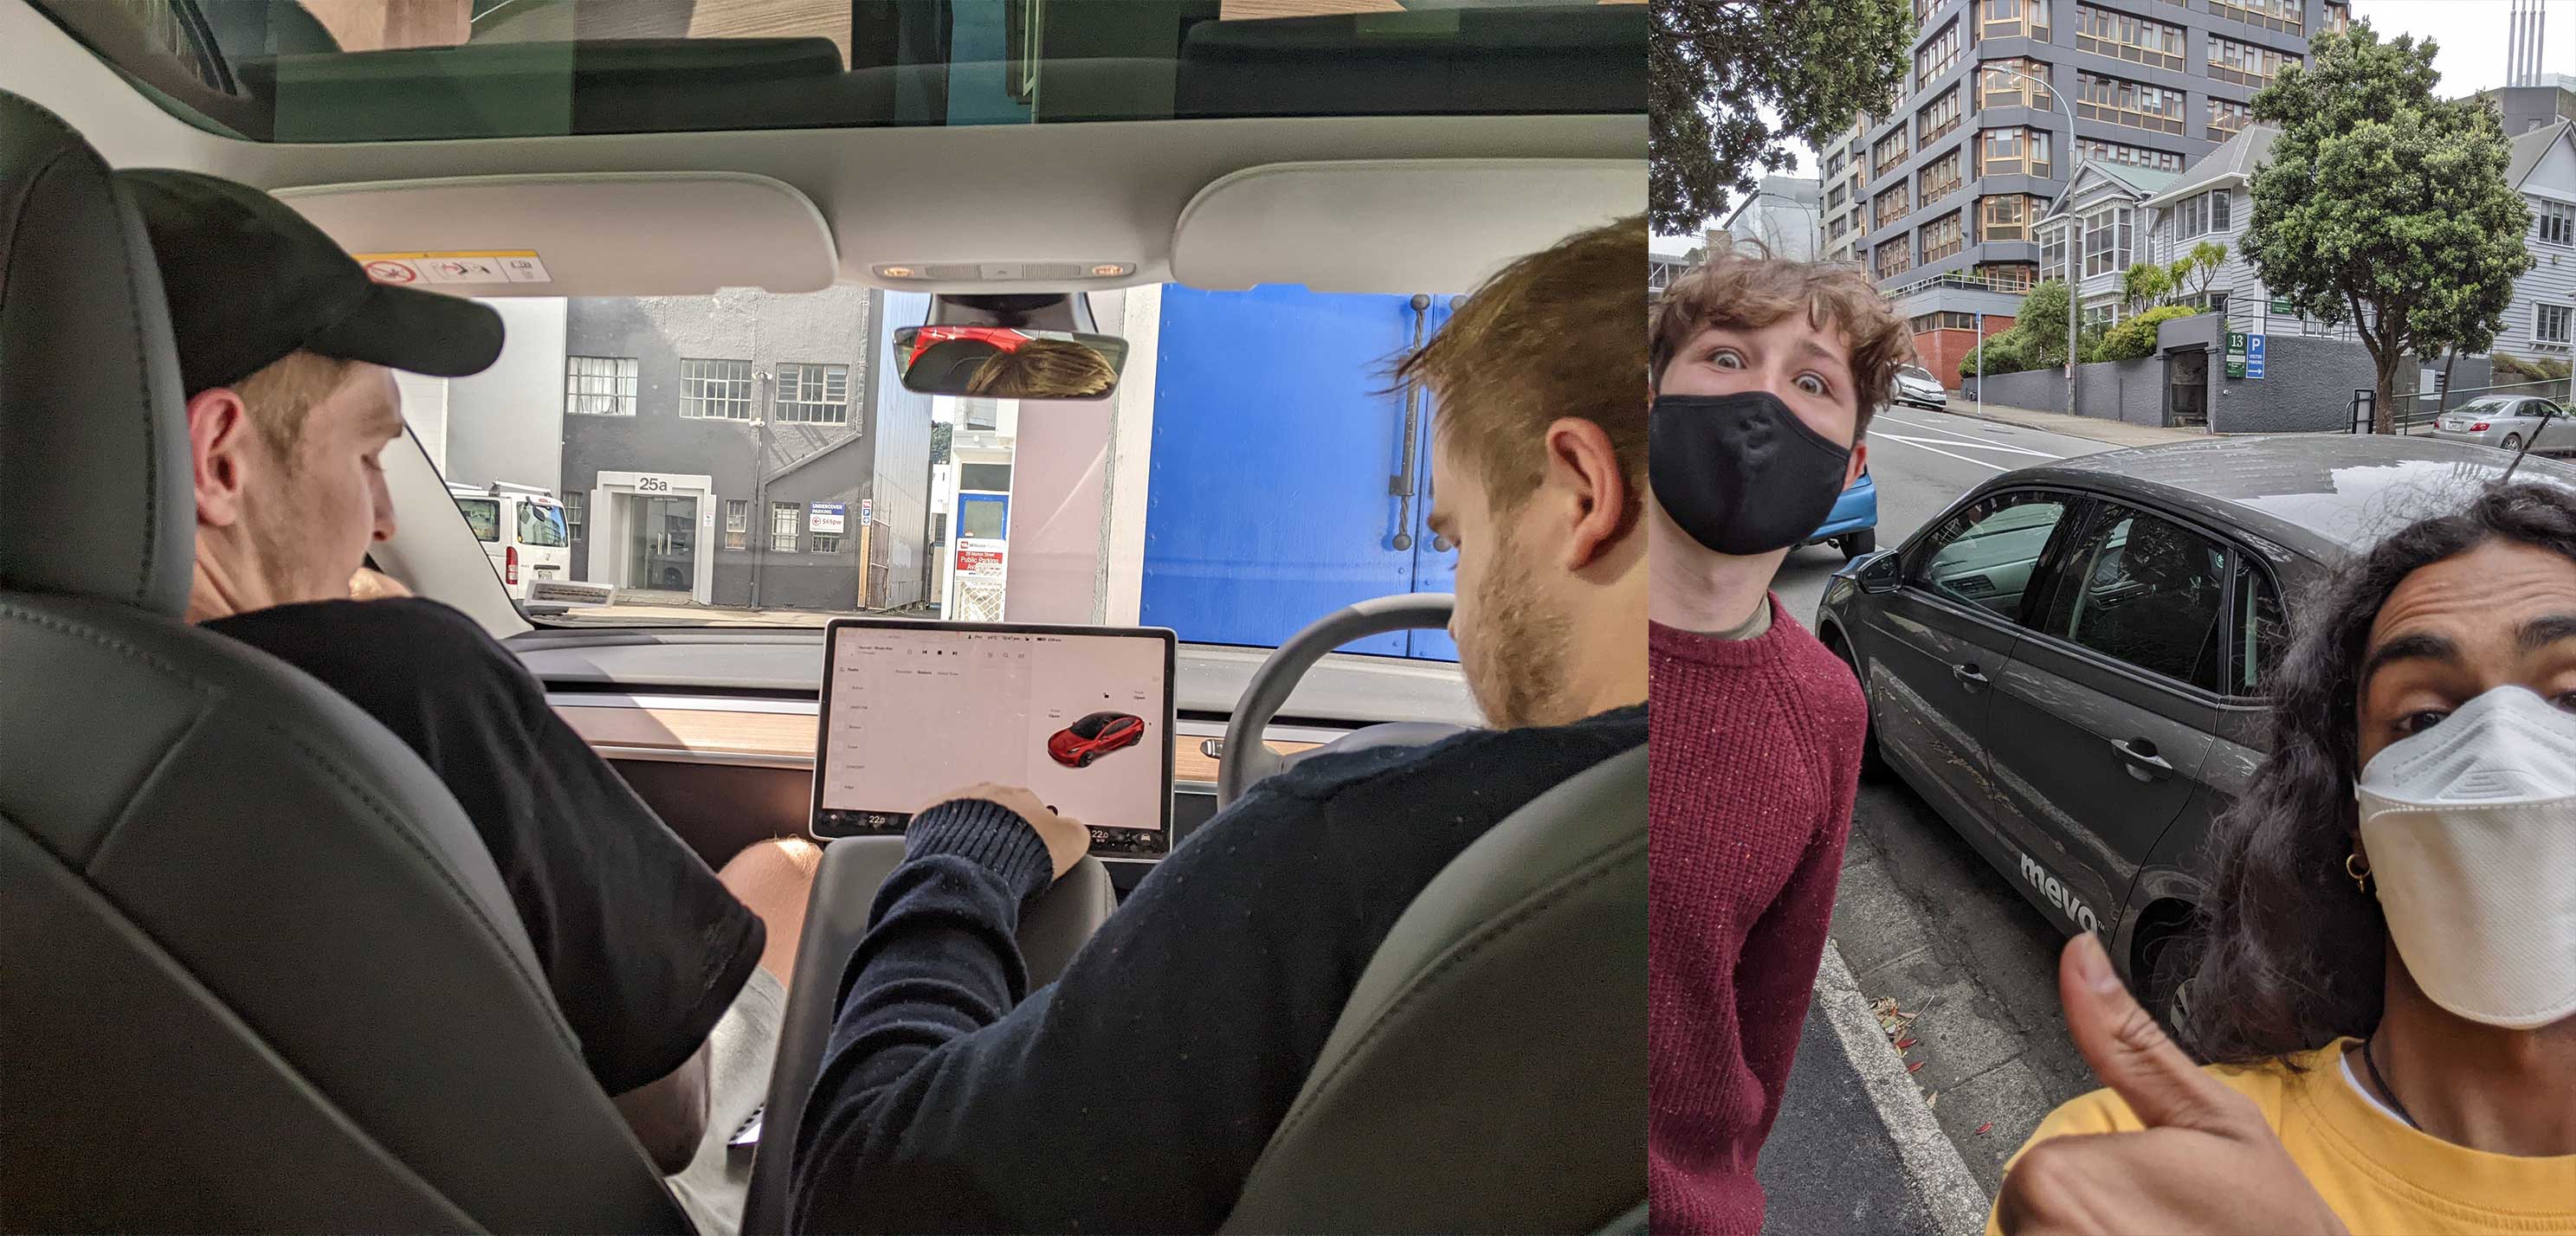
(1066, 840)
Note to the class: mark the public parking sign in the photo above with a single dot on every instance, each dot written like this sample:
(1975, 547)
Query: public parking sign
(2254, 356)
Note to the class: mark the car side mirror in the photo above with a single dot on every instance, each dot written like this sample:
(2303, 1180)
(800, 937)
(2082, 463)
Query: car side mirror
(1883, 571)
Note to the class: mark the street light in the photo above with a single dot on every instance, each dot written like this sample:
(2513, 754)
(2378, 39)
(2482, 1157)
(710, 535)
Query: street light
(2074, 163)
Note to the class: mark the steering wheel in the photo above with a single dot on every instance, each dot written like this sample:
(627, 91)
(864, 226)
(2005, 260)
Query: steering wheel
(1246, 759)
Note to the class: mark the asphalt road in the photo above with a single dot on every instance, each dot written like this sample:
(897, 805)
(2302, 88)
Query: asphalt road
(1922, 918)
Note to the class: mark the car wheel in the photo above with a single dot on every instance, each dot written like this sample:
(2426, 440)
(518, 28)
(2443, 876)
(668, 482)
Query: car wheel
(1855, 544)
(1087, 758)
(2163, 979)
(2513, 442)
(1873, 765)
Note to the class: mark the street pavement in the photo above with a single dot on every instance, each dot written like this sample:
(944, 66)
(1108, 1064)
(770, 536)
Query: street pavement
(1923, 919)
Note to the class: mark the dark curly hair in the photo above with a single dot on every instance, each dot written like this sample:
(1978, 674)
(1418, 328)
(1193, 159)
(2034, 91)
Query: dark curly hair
(2291, 956)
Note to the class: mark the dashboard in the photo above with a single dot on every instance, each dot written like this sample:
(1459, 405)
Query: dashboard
(716, 729)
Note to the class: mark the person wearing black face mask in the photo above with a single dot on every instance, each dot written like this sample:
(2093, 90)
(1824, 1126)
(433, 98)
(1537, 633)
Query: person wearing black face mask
(1765, 373)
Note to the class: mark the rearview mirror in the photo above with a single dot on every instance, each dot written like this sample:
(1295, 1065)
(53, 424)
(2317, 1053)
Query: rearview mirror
(1002, 362)
(1880, 572)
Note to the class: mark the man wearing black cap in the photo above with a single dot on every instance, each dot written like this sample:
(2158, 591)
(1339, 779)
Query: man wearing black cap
(287, 352)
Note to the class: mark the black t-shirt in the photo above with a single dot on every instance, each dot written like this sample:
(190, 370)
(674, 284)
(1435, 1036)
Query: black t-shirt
(643, 947)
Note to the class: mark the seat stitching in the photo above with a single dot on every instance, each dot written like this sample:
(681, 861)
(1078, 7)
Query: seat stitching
(1593, 871)
(118, 205)
(474, 907)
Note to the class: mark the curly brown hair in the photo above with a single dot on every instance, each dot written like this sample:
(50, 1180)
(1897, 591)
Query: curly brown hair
(1743, 287)
(1553, 334)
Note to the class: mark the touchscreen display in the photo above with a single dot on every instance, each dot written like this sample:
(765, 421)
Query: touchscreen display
(1081, 719)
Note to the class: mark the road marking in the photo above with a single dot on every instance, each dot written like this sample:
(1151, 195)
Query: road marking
(1979, 446)
(1931, 1162)
(1917, 444)
(1988, 446)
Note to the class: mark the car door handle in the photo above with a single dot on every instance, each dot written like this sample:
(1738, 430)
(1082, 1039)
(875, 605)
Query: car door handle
(1969, 677)
(2140, 755)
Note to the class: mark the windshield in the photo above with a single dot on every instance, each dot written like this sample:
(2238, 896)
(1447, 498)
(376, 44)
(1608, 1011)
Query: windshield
(375, 70)
(749, 458)
(542, 526)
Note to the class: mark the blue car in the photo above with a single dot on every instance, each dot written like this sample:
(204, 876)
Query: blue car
(1853, 526)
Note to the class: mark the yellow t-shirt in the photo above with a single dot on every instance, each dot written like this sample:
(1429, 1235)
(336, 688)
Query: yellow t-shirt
(2382, 1177)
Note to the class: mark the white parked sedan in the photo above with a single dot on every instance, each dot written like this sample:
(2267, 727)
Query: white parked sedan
(1917, 386)
(2508, 421)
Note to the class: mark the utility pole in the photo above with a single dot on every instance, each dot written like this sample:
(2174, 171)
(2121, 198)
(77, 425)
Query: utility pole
(755, 522)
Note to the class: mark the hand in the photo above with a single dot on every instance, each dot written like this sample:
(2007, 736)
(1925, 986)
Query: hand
(369, 585)
(2206, 1161)
(1066, 840)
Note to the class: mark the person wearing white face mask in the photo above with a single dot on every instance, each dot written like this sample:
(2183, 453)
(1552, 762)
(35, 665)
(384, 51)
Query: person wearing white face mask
(2387, 983)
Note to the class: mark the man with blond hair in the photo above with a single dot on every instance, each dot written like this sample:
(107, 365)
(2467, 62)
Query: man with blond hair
(671, 976)
(1766, 373)
(953, 1099)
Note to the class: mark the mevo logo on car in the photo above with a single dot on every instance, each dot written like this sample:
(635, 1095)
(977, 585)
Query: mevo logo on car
(2051, 887)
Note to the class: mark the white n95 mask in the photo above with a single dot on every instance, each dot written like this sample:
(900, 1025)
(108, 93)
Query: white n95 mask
(2471, 832)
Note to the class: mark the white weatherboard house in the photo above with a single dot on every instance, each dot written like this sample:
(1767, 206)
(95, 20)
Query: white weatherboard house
(2543, 170)
(2098, 223)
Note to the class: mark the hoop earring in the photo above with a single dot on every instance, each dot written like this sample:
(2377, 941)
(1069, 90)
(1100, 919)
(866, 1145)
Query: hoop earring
(2354, 866)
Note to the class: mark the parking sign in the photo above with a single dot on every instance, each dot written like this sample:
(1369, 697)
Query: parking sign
(2254, 356)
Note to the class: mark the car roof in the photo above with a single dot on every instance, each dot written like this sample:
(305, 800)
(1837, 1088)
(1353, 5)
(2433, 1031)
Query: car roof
(2325, 495)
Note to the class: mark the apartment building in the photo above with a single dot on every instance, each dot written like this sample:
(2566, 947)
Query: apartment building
(1845, 229)
(1978, 149)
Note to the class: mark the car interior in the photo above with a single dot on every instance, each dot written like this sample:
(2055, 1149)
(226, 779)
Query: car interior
(264, 976)
(1989, 559)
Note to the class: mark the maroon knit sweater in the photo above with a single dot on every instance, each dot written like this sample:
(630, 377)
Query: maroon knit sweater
(1754, 752)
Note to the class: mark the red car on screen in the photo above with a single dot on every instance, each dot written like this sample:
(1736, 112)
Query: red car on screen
(1078, 744)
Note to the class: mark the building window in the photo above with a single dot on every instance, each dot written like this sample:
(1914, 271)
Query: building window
(980, 413)
(737, 524)
(2202, 214)
(2106, 241)
(825, 543)
(572, 515)
(2120, 101)
(783, 518)
(715, 389)
(1946, 319)
(1834, 165)
(2005, 19)
(2135, 39)
(2007, 217)
(1937, 118)
(2557, 222)
(813, 394)
(1840, 225)
(1895, 257)
(1938, 179)
(2023, 152)
(1834, 198)
(2549, 324)
(2010, 276)
(2281, 15)
(1889, 151)
(1890, 206)
(599, 385)
(2098, 151)
(985, 477)
(2014, 81)
(2227, 118)
(2101, 316)
(1936, 56)
(939, 528)
(2052, 251)
(1942, 237)
(2338, 17)
(2245, 64)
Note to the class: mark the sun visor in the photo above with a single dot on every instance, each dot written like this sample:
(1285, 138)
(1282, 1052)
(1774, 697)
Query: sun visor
(1393, 225)
(580, 234)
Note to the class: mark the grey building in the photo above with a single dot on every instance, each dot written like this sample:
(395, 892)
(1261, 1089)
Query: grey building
(1783, 215)
(1976, 149)
(744, 448)
(1841, 184)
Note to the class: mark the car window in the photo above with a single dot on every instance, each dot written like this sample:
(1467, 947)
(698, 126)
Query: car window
(542, 526)
(483, 515)
(2146, 591)
(2260, 630)
(1986, 553)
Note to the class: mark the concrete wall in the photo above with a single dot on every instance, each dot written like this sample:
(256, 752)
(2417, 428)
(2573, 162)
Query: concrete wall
(826, 327)
(506, 423)
(2132, 391)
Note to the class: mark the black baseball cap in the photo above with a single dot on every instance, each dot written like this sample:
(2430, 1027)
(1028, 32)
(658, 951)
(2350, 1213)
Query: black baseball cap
(249, 281)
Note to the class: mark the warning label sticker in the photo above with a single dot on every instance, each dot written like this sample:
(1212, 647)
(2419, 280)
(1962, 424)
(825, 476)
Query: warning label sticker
(457, 266)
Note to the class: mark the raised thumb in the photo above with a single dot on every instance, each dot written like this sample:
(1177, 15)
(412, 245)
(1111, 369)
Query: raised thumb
(2128, 1050)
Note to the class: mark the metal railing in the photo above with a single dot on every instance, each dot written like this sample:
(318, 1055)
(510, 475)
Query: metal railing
(2416, 414)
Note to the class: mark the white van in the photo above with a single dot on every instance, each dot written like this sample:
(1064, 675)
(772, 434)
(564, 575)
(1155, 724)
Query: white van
(522, 530)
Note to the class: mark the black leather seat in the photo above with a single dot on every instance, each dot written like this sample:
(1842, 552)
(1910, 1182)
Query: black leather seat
(261, 973)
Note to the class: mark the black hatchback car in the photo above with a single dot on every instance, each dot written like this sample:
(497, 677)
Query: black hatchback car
(2069, 663)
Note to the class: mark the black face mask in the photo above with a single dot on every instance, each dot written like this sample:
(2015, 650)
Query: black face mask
(1741, 473)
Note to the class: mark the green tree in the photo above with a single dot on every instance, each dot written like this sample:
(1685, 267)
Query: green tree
(1714, 66)
(2042, 320)
(2192, 272)
(2135, 339)
(2145, 286)
(2385, 206)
